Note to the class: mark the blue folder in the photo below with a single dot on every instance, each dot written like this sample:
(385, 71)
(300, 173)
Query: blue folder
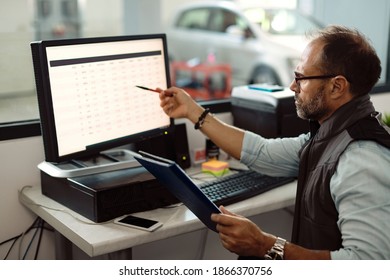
(173, 177)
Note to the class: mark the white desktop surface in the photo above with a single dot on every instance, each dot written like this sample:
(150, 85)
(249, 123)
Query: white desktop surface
(96, 239)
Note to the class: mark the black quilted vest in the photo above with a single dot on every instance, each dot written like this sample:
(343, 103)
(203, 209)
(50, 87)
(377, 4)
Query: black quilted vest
(315, 221)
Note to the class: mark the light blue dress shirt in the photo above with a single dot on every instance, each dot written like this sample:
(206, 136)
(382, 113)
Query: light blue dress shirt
(360, 189)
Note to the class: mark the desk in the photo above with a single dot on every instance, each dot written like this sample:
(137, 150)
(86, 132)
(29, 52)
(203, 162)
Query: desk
(104, 238)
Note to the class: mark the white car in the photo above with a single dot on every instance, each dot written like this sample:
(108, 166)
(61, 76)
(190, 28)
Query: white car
(261, 45)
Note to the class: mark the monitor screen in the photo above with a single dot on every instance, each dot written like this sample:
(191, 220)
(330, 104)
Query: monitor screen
(87, 94)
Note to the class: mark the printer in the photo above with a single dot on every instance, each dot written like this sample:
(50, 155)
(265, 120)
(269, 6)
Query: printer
(266, 110)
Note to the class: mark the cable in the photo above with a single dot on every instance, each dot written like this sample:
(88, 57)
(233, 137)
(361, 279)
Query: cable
(39, 224)
(39, 240)
(15, 238)
(20, 245)
(10, 248)
(10, 239)
(24, 234)
(29, 244)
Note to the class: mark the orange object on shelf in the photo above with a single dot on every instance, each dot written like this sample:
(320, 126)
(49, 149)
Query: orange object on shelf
(204, 81)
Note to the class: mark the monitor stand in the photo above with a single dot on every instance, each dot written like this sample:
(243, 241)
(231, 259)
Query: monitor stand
(110, 160)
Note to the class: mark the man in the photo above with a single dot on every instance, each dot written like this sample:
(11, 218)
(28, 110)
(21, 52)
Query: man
(342, 208)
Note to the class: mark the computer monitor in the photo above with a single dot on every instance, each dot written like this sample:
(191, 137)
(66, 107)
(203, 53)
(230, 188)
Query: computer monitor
(87, 95)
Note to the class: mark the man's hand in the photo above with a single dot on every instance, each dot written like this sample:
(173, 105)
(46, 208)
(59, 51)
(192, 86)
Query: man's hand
(240, 235)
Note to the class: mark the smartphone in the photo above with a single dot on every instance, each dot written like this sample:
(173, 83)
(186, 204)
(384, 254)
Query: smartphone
(138, 223)
(266, 87)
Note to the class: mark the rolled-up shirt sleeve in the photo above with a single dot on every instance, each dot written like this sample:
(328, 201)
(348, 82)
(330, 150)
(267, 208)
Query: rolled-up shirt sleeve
(274, 157)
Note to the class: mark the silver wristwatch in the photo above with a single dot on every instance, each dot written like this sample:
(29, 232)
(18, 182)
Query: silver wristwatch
(277, 251)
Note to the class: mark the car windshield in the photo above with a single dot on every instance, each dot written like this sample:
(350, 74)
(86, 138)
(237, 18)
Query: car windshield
(281, 21)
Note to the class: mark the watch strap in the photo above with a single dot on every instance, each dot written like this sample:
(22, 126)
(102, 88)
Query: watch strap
(277, 250)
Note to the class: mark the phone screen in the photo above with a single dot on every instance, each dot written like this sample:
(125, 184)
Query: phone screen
(136, 221)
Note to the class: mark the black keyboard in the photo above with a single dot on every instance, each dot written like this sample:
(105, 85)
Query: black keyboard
(240, 186)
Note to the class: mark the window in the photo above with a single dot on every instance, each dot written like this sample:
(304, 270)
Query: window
(23, 21)
(35, 20)
(17, 80)
(195, 19)
(281, 21)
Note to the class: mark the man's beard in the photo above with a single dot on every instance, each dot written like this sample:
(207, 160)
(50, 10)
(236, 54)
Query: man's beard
(314, 109)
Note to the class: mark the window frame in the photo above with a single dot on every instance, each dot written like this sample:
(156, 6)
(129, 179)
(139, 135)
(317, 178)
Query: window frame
(31, 128)
(23, 129)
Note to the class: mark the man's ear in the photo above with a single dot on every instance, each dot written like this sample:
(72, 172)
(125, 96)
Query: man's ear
(340, 86)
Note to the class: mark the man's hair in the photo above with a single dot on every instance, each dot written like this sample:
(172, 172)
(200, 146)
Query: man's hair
(349, 53)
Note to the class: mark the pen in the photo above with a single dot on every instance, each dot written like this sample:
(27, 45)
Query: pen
(145, 88)
(150, 89)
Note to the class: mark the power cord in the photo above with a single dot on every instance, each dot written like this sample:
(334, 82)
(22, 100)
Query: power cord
(39, 239)
(38, 224)
(39, 228)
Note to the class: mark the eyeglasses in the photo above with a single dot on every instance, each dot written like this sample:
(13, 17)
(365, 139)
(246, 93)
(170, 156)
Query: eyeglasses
(298, 79)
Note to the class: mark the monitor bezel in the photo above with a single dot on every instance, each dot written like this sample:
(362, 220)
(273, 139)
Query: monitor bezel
(45, 101)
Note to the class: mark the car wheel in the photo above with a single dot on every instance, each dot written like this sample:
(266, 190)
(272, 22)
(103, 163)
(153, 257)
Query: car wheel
(264, 75)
